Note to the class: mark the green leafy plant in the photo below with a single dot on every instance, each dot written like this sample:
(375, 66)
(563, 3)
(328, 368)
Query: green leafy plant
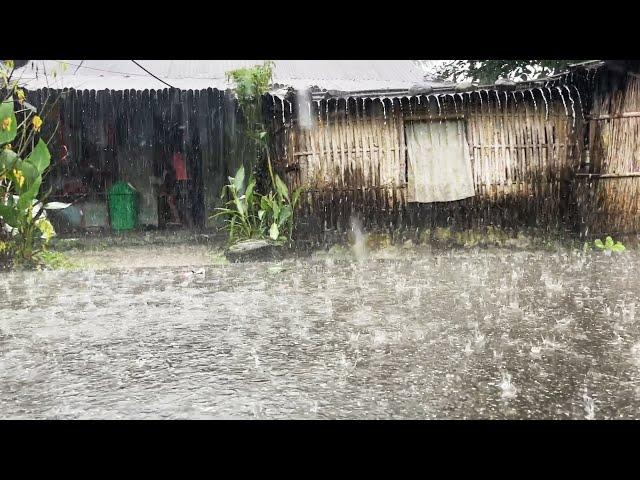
(239, 212)
(609, 246)
(25, 230)
(248, 213)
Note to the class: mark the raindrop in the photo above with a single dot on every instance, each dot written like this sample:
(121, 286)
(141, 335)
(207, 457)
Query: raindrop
(573, 110)
(546, 105)
(563, 102)
(319, 111)
(535, 106)
(579, 101)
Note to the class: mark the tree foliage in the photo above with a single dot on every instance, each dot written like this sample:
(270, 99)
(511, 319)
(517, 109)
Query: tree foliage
(488, 71)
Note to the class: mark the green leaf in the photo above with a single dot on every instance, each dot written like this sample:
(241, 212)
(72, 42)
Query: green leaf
(6, 112)
(296, 196)
(9, 214)
(618, 247)
(30, 173)
(274, 232)
(284, 215)
(40, 157)
(264, 203)
(249, 191)
(238, 180)
(8, 159)
(261, 214)
(28, 196)
(608, 242)
(598, 243)
(281, 187)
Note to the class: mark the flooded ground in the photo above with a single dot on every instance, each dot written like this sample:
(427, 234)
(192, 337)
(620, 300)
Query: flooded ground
(412, 334)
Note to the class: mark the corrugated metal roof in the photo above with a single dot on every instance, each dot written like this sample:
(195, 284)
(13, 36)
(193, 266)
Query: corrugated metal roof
(338, 75)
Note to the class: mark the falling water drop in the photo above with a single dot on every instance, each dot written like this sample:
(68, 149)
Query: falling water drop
(498, 97)
(573, 110)
(566, 111)
(384, 110)
(326, 102)
(273, 99)
(546, 105)
(579, 101)
(535, 106)
(283, 116)
(439, 107)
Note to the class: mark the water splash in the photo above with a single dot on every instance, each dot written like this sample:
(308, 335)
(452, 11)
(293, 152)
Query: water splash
(589, 406)
(359, 239)
(508, 388)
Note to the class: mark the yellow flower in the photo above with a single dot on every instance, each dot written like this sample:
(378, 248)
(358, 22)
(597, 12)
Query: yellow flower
(46, 229)
(6, 123)
(7, 146)
(37, 123)
(19, 177)
(21, 96)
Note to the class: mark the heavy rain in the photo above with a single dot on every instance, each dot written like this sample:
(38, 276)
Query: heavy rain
(204, 252)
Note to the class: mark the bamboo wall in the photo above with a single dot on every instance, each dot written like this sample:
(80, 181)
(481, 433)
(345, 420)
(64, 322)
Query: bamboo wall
(353, 160)
(611, 198)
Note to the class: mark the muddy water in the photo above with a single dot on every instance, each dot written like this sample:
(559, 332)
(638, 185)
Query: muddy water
(458, 334)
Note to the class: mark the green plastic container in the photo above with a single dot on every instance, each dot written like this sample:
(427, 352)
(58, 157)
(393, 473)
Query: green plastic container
(123, 206)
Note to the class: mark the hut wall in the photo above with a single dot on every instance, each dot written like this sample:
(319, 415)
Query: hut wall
(611, 199)
(353, 161)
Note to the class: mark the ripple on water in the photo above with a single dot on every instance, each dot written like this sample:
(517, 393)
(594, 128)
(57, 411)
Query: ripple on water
(421, 337)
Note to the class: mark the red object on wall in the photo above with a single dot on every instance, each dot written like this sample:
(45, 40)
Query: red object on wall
(180, 166)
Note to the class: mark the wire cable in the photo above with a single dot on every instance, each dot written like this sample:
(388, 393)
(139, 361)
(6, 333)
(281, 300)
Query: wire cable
(157, 78)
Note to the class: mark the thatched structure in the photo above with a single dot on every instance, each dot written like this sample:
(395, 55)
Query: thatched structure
(524, 145)
(609, 188)
(561, 153)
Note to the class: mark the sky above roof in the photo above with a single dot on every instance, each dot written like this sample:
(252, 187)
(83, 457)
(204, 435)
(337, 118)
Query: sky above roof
(340, 75)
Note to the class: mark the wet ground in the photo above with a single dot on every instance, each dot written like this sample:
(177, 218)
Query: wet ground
(417, 333)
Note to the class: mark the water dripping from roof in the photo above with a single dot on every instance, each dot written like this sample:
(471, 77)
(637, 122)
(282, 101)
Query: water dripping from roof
(546, 105)
(566, 111)
(573, 110)
(579, 101)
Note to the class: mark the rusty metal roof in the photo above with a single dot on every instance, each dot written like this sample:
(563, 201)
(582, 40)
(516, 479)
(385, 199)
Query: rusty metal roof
(319, 75)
